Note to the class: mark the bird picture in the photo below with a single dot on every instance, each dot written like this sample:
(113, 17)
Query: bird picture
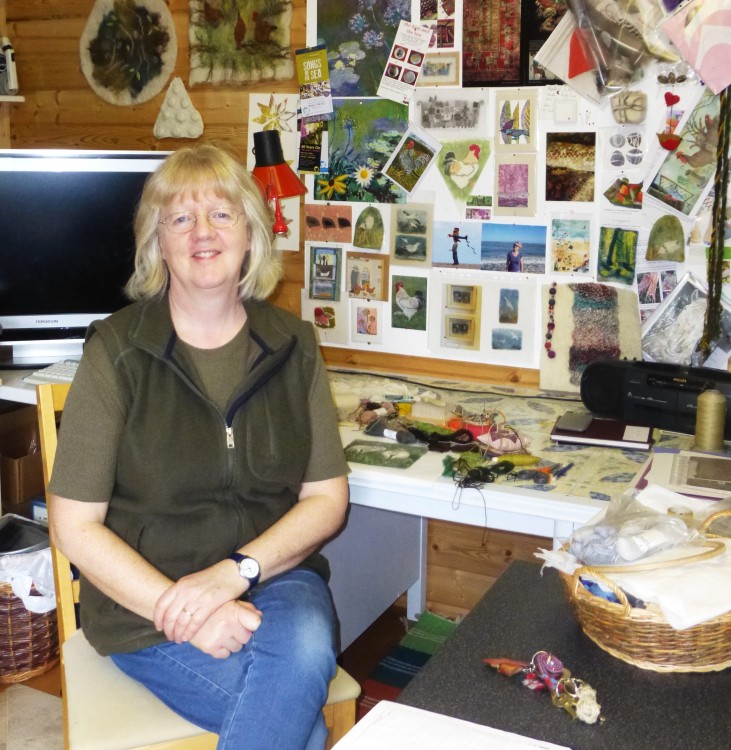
(409, 162)
(461, 162)
(515, 121)
(460, 170)
(408, 302)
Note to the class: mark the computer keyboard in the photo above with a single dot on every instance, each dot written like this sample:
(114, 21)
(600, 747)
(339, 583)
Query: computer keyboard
(58, 372)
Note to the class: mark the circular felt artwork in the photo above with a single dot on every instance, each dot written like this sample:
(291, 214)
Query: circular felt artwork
(128, 49)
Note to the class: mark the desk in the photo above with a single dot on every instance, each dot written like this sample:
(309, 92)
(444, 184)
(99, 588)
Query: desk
(381, 553)
(523, 613)
(14, 389)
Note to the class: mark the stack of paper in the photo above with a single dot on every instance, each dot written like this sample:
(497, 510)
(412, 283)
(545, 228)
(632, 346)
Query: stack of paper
(391, 726)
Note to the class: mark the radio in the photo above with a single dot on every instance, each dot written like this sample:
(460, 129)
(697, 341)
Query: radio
(653, 394)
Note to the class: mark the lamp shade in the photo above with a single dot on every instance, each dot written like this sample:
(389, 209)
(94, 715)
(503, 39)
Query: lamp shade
(271, 171)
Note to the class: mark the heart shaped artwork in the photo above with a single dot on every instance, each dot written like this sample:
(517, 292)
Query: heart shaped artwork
(671, 98)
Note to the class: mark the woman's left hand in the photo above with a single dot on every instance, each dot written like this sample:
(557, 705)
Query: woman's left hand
(189, 602)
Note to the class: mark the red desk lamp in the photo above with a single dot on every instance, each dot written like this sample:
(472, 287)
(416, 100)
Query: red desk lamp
(276, 179)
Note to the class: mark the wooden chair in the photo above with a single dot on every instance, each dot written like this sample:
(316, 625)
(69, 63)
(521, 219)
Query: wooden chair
(104, 709)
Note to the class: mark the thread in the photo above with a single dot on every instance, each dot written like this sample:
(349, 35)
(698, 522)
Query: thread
(710, 420)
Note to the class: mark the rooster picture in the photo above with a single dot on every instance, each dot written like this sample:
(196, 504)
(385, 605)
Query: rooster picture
(461, 170)
(409, 305)
(409, 163)
(408, 309)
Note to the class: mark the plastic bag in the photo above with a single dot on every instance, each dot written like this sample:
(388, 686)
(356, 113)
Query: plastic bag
(619, 37)
(628, 532)
(23, 571)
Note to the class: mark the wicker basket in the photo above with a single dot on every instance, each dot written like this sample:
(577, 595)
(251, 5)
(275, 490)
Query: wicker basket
(28, 641)
(643, 637)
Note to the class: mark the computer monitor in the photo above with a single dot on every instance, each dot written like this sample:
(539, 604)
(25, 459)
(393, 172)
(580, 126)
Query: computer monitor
(66, 246)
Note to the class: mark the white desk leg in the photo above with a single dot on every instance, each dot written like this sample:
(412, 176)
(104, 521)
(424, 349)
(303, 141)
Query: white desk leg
(416, 593)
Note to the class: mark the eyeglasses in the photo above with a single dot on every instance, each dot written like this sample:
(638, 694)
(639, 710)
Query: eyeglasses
(184, 221)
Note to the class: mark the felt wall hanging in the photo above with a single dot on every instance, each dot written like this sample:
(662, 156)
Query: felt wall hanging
(491, 42)
(590, 321)
(128, 49)
(240, 41)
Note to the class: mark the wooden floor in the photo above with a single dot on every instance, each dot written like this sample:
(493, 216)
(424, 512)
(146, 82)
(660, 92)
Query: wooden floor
(365, 652)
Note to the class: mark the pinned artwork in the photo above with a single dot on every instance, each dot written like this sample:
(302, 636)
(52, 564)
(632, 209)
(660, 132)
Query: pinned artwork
(239, 41)
(330, 319)
(516, 116)
(411, 234)
(515, 185)
(128, 49)
(461, 163)
(367, 275)
(366, 321)
(624, 194)
(328, 223)
(178, 118)
(667, 240)
(358, 36)
(409, 302)
(585, 322)
(364, 134)
(456, 245)
(510, 320)
(325, 272)
(570, 166)
(369, 229)
(617, 254)
(686, 174)
(461, 318)
(409, 163)
(500, 242)
(570, 245)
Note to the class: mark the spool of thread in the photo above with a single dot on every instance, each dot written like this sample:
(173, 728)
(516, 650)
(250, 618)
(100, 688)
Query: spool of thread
(710, 421)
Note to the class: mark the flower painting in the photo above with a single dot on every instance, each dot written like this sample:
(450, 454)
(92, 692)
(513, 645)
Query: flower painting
(362, 136)
(358, 35)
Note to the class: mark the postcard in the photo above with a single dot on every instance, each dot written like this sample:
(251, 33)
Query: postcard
(405, 61)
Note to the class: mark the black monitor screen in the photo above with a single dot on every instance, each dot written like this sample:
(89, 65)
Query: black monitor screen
(66, 239)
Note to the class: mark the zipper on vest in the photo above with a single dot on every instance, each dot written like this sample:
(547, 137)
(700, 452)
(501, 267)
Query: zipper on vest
(230, 436)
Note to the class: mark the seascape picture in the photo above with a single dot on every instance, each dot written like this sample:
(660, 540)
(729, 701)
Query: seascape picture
(498, 241)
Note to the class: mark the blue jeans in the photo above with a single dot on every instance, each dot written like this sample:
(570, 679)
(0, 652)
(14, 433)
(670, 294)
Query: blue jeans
(271, 693)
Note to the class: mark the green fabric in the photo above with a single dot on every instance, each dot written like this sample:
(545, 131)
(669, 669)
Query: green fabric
(428, 633)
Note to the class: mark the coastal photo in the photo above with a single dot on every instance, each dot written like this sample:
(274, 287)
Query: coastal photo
(456, 244)
(498, 248)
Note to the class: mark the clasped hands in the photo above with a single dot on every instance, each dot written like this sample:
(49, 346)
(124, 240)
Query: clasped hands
(204, 609)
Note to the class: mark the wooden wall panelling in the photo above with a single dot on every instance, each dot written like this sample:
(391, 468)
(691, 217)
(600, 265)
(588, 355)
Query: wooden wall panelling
(464, 561)
(62, 111)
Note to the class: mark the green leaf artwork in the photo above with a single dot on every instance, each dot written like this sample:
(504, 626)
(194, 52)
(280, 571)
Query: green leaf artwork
(240, 41)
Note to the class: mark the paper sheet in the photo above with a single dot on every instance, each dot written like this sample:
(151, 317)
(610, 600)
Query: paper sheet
(392, 726)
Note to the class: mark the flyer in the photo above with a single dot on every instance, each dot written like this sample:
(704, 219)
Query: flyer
(314, 82)
(404, 62)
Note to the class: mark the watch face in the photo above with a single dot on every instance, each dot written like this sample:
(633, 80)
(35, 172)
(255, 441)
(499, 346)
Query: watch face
(249, 567)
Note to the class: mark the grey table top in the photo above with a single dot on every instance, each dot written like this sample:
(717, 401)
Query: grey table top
(525, 612)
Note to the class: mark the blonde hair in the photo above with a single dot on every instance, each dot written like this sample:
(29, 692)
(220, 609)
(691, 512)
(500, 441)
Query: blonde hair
(196, 170)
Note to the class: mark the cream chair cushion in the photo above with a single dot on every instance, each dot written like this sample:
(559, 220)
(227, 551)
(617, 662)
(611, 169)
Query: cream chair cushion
(107, 710)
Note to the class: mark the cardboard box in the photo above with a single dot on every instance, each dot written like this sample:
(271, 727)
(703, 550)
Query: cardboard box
(21, 470)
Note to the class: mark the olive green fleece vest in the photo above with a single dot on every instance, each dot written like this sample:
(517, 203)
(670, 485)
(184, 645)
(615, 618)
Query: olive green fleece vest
(194, 484)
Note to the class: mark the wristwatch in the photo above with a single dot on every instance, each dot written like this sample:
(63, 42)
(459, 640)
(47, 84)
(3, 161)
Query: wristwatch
(248, 568)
